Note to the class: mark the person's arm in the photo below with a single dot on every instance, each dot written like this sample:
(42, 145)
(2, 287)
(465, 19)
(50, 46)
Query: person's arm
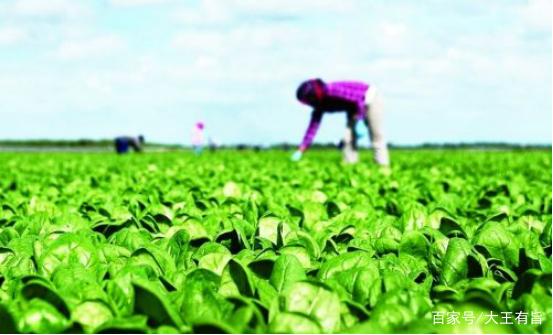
(316, 117)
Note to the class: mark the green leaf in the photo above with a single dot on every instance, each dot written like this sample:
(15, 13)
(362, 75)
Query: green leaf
(212, 327)
(367, 285)
(6, 254)
(215, 262)
(121, 294)
(414, 243)
(498, 242)
(149, 301)
(525, 283)
(287, 271)
(271, 228)
(135, 324)
(38, 289)
(198, 234)
(245, 316)
(266, 293)
(38, 316)
(307, 241)
(352, 313)
(395, 311)
(233, 239)
(545, 237)
(294, 323)
(177, 247)
(315, 300)
(92, 314)
(262, 267)
(300, 252)
(200, 299)
(7, 322)
(450, 228)
(332, 209)
(454, 264)
(344, 262)
(66, 250)
(241, 277)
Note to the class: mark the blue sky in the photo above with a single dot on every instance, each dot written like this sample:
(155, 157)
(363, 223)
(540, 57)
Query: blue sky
(449, 71)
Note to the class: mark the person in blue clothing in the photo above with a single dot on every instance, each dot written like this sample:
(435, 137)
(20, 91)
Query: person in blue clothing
(124, 143)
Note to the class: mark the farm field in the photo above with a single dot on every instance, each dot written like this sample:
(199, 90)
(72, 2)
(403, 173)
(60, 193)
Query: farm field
(244, 242)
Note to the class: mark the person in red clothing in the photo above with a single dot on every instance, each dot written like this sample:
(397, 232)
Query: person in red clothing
(363, 108)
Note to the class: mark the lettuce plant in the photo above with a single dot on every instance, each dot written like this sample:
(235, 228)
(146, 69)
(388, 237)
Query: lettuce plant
(244, 242)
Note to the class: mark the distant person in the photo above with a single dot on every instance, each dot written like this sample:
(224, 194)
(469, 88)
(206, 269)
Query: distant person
(124, 143)
(363, 108)
(198, 138)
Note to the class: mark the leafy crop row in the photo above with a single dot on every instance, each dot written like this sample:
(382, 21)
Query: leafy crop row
(244, 242)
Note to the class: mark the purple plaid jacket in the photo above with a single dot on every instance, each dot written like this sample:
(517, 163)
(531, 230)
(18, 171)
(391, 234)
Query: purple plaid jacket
(338, 96)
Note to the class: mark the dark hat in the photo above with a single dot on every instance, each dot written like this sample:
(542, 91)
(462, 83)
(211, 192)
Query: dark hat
(310, 91)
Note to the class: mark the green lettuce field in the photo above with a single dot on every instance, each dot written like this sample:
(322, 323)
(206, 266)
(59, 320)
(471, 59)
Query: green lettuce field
(244, 242)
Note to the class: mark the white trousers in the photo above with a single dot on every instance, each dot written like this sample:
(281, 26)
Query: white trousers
(374, 124)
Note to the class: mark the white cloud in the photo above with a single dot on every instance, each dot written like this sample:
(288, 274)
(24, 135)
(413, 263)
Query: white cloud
(11, 35)
(207, 41)
(291, 7)
(389, 37)
(50, 8)
(94, 47)
(244, 54)
(537, 14)
(238, 39)
(131, 3)
(209, 12)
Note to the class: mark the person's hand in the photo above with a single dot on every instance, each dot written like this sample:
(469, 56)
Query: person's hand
(296, 156)
(360, 129)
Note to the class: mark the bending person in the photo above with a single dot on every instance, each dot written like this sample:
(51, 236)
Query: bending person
(124, 143)
(363, 108)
